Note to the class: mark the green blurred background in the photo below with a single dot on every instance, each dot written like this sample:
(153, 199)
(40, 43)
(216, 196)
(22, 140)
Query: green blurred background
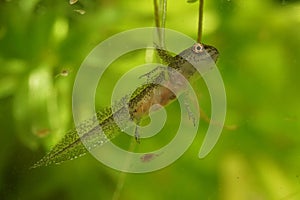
(42, 44)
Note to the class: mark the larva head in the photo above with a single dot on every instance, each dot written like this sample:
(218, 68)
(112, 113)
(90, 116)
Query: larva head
(199, 57)
(200, 52)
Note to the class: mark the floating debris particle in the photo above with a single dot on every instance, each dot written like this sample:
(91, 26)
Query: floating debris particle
(73, 2)
(63, 73)
(42, 132)
(148, 157)
(80, 11)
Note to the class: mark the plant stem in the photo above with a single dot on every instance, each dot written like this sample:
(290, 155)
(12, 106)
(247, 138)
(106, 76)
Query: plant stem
(160, 10)
(200, 22)
(156, 14)
(156, 19)
(163, 24)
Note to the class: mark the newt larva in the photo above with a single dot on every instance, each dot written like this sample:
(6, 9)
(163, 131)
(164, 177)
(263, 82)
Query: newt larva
(71, 146)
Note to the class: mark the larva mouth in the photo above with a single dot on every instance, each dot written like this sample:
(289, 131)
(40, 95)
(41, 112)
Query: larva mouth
(212, 51)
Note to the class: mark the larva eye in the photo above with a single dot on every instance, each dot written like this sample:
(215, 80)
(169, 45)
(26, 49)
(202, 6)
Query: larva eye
(198, 48)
